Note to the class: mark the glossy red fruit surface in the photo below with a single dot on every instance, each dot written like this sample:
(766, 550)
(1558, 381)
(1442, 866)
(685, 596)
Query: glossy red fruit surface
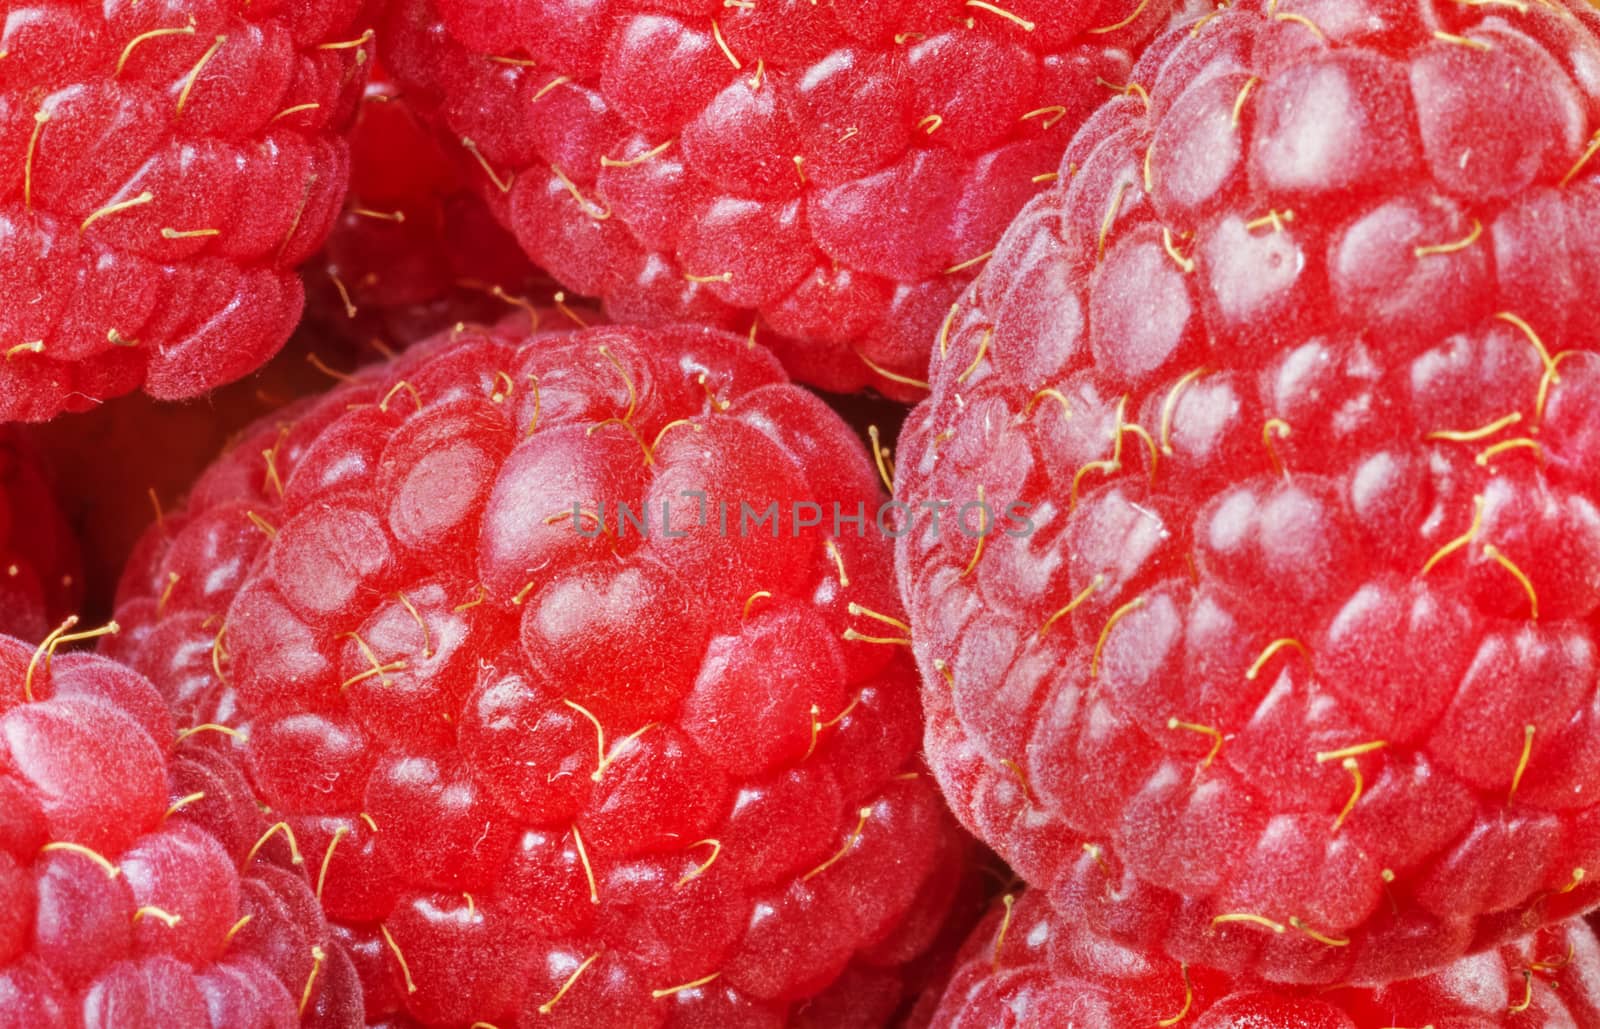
(41, 574)
(140, 886)
(163, 168)
(1029, 966)
(1293, 665)
(826, 175)
(415, 249)
(555, 769)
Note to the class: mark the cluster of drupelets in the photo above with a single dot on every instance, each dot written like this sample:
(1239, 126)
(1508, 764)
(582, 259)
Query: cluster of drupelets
(550, 666)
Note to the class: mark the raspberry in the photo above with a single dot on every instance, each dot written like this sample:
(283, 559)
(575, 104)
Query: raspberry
(166, 166)
(1027, 965)
(549, 764)
(1304, 626)
(41, 578)
(825, 176)
(139, 885)
(416, 249)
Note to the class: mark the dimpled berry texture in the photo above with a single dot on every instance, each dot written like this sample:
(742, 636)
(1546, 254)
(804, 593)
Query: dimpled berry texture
(555, 769)
(140, 886)
(1296, 671)
(41, 576)
(1046, 969)
(828, 175)
(163, 167)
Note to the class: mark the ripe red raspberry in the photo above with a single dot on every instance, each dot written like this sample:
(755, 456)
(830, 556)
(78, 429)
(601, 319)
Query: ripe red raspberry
(548, 764)
(140, 888)
(415, 249)
(1299, 656)
(828, 176)
(163, 168)
(41, 575)
(1029, 966)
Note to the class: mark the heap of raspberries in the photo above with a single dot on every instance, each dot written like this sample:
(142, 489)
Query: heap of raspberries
(435, 593)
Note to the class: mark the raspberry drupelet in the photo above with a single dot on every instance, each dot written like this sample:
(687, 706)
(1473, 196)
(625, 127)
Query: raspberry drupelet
(140, 886)
(554, 768)
(827, 176)
(41, 575)
(1292, 665)
(1029, 966)
(163, 168)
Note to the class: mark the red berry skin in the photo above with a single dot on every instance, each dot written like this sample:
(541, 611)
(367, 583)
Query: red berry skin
(827, 176)
(547, 772)
(139, 883)
(1027, 965)
(165, 168)
(41, 569)
(1305, 627)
